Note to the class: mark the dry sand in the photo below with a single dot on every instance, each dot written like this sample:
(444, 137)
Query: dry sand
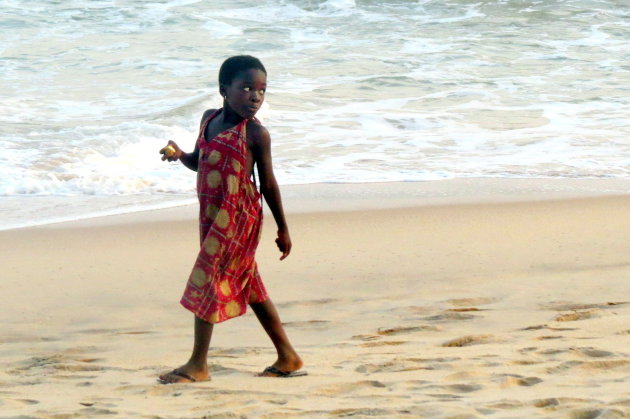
(462, 310)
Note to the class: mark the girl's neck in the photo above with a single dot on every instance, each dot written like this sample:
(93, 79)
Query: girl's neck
(229, 116)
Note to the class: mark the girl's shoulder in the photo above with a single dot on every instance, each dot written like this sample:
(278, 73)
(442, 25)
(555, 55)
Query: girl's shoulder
(207, 115)
(256, 132)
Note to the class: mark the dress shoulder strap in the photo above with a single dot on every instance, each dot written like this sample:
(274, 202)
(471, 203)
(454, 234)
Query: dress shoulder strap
(204, 124)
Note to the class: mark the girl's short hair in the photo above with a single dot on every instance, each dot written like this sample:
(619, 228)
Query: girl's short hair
(233, 65)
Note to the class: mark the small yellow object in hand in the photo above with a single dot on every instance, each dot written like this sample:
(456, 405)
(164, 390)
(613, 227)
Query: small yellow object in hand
(169, 151)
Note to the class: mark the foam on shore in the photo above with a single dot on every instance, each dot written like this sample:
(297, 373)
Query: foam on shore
(18, 212)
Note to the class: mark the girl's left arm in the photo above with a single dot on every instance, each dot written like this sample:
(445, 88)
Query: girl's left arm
(261, 151)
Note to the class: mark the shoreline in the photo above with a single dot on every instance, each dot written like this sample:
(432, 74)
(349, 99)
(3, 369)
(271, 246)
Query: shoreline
(316, 197)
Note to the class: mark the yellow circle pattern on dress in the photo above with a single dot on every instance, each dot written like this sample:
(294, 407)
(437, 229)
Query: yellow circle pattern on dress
(211, 212)
(214, 157)
(198, 277)
(222, 219)
(232, 183)
(236, 165)
(235, 262)
(232, 309)
(253, 296)
(214, 317)
(211, 245)
(214, 178)
(225, 288)
(250, 189)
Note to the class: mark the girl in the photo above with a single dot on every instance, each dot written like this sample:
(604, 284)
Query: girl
(225, 278)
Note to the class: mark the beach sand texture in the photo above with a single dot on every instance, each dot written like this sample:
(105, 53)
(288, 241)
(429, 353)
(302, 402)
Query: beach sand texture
(507, 310)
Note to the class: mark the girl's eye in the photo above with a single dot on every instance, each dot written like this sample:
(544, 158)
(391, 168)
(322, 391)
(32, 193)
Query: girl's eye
(249, 89)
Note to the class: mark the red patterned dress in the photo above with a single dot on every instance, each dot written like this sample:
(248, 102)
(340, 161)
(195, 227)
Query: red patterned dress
(225, 278)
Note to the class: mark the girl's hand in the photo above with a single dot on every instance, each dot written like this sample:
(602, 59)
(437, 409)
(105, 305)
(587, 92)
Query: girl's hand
(284, 243)
(171, 152)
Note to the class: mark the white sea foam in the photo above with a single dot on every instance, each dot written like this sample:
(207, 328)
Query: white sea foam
(358, 90)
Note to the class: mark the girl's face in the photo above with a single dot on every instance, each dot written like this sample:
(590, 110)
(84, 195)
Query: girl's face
(246, 93)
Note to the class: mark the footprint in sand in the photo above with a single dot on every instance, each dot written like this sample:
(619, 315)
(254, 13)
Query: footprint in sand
(216, 369)
(360, 412)
(81, 350)
(512, 380)
(445, 397)
(452, 391)
(544, 326)
(366, 337)
(605, 365)
(92, 411)
(57, 364)
(468, 341)
(344, 388)
(552, 351)
(27, 338)
(303, 303)
(161, 390)
(28, 402)
(307, 324)
(396, 365)
(591, 352)
(550, 402)
(114, 332)
(596, 414)
(465, 309)
(462, 388)
(577, 315)
(554, 402)
(524, 362)
(135, 332)
(449, 316)
(465, 375)
(14, 403)
(537, 327)
(474, 301)
(419, 309)
(97, 331)
(568, 306)
(548, 337)
(405, 330)
(564, 367)
(280, 402)
(506, 404)
(236, 352)
(383, 343)
(101, 402)
(393, 331)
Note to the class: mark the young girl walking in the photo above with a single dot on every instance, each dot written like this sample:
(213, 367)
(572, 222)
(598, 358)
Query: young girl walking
(225, 278)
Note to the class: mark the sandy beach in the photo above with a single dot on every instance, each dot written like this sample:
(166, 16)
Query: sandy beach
(506, 307)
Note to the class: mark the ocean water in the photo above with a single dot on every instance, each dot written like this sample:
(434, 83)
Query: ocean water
(359, 90)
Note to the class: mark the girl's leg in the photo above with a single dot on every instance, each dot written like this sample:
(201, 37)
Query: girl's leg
(288, 360)
(197, 366)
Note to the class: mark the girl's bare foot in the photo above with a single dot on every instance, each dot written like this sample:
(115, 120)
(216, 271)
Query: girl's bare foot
(187, 373)
(284, 365)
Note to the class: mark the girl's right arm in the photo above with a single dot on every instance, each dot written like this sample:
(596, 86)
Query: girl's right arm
(190, 160)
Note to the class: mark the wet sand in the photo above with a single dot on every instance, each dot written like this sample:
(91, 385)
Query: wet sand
(488, 309)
